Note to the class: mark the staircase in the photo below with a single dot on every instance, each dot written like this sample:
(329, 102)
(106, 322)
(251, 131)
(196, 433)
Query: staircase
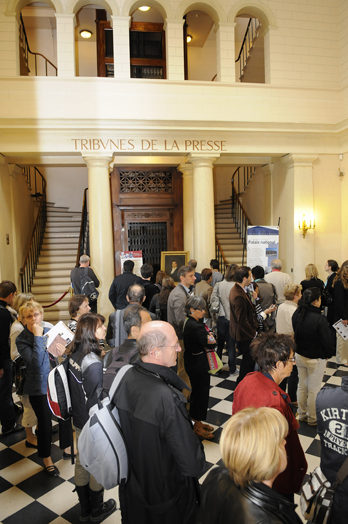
(231, 221)
(251, 60)
(227, 234)
(57, 258)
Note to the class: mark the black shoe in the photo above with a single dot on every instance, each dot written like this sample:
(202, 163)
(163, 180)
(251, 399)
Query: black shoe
(30, 445)
(67, 456)
(52, 471)
(100, 509)
(16, 427)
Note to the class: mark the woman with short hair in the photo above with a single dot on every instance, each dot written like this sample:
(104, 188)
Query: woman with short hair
(78, 306)
(197, 338)
(252, 446)
(31, 345)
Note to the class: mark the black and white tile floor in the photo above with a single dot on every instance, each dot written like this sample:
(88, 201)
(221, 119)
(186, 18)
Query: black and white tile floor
(28, 495)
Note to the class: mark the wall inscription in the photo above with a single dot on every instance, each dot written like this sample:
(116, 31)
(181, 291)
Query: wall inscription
(142, 144)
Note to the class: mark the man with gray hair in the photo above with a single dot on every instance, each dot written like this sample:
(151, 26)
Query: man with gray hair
(76, 276)
(278, 278)
(167, 457)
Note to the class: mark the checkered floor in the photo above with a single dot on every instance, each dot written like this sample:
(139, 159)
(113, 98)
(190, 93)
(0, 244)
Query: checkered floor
(27, 494)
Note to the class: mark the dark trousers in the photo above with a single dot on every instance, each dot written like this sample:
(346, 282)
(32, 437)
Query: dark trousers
(93, 304)
(43, 415)
(7, 411)
(291, 384)
(200, 384)
(223, 332)
(247, 365)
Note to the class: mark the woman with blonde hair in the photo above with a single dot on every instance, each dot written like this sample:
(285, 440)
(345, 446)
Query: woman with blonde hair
(340, 287)
(312, 279)
(252, 446)
(31, 345)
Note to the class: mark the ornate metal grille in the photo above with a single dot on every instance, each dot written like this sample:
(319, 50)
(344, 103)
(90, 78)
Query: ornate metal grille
(145, 181)
(151, 238)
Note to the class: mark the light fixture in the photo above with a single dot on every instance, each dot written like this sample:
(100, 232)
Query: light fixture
(188, 38)
(144, 8)
(86, 33)
(304, 227)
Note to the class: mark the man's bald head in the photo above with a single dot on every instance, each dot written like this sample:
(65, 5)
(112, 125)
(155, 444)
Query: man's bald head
(155, 338)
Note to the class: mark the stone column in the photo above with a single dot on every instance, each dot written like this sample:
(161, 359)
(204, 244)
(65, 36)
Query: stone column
(295, 251)
(203, 208)
(174, 49)
(187, 177)
(9, 45)
(225, 53)
(267, 172)
(100, 226)
(121, 25)
(66, 45)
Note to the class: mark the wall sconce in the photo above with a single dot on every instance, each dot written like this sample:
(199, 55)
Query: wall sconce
(340, 173)
(188, 38)
(86, 33)
(304, 227)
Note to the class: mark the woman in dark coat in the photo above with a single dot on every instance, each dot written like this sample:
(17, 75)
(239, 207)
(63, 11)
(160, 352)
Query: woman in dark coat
(340, 287)
(31, 345)
(314, 347)
(159, 301)
(196, 338)
(253, 451)
(312, 279)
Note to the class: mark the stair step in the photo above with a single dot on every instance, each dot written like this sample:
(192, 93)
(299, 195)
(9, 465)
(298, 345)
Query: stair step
(45, 298)
(73, 234)
(44, 273)
(56, 316)
(56, 265)
(49, 290)
(66, 260)
(52, 281)
(52, 207)
(63, 220)
(56, 240)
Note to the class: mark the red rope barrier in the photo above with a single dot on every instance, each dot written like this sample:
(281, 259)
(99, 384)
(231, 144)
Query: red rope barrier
(59, 299)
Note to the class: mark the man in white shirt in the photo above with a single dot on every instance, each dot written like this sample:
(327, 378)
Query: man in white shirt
(278, 279)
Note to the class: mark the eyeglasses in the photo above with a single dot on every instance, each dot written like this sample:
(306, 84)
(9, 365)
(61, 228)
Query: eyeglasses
(34, 315)
(177, 345)
(291, 359)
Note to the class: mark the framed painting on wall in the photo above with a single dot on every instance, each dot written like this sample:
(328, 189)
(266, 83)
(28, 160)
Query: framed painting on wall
(171, 261)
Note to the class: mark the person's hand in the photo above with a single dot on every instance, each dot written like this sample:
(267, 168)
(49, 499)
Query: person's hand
(270, 309)
(37, 330)
(60, 349)
(1, 373)
(344, 322)
(254, 295)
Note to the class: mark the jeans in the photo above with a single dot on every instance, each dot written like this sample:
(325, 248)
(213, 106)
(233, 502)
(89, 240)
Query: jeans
(7, 411)
(310, 376)
(223, 332)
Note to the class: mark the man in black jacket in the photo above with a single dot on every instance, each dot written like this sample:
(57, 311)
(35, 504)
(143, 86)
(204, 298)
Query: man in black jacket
(146, 271)
(167, 457)
(76, 275)
(120, 285)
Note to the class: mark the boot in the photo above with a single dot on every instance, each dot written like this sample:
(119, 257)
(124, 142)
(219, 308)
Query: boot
(85, 502)
(100, 509)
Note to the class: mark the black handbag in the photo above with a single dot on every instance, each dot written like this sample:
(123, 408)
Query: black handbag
(326, 297)
(20, 372)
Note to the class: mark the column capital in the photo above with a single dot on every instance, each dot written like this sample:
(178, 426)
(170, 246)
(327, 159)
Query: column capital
(294, 160)
(176, 22)
(267, 169)
(127, 20)
(202, 159)
(224, 25)
(186, 169)
(95, 160)
(15, 170)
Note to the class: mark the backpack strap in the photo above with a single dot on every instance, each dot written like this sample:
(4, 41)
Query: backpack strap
(342, 472)
(117, 380)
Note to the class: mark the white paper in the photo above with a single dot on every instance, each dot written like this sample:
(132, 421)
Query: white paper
(59, 329)
(341, 329)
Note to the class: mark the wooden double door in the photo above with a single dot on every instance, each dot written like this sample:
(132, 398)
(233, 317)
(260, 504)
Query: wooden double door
(147, 212)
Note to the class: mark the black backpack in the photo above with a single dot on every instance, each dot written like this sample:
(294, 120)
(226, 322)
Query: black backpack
(118, 361)
(87, 286)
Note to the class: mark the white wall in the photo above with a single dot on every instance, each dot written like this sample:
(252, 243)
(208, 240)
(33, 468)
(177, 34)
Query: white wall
(65, 186)
(202, 60)
(18, 213)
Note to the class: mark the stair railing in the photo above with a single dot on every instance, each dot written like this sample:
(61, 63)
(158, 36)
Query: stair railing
(83, 246)
(247, 44)
(27, 271)
(238, 213)
(219, 255)
(26, 50)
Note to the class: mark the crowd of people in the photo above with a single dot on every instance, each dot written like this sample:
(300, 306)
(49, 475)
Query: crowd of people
(283, 331)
